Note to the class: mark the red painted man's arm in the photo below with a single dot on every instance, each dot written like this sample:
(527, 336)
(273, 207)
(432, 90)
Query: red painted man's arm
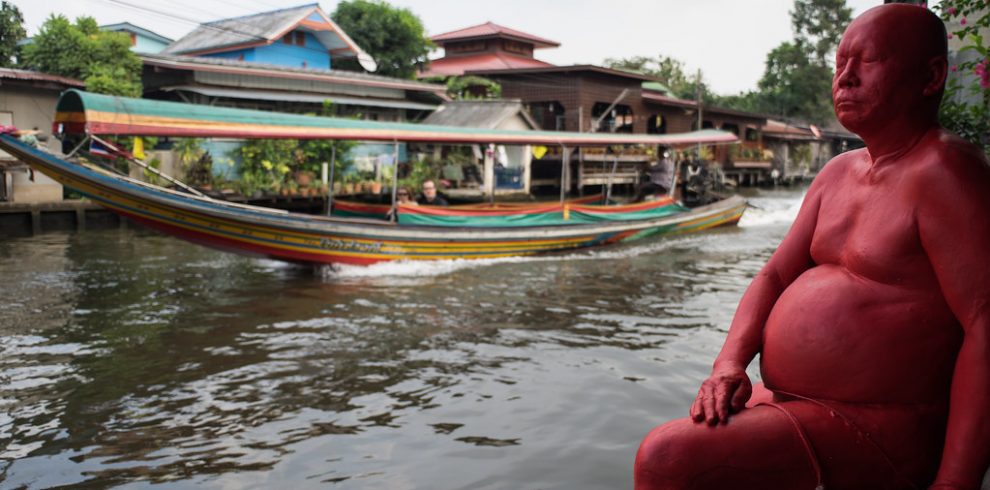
(728, 387)
(955, 232)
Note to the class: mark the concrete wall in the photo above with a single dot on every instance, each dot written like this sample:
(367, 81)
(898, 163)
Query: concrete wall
(30, 108)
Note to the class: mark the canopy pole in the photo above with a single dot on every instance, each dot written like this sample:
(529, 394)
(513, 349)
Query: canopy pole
(80, 145)
(149, 168)
(333, 163)
(395, 181)
(565, 158)
(615, 164)
(673, 181)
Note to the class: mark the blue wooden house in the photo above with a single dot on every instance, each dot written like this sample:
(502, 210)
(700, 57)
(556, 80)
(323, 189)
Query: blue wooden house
(300, 37)
(142, 40)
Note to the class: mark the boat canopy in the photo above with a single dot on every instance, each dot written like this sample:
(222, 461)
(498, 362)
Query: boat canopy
(81, 112)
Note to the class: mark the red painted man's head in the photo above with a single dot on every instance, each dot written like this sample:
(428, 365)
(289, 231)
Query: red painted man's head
(890, 65)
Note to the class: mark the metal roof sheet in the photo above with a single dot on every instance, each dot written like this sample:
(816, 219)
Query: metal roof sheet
(269, 70)
(487, 114)
(15, 74)
(486, 61)
(491, 29)
(267, 27)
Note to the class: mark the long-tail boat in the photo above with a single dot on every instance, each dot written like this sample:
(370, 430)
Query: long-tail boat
(417, 233)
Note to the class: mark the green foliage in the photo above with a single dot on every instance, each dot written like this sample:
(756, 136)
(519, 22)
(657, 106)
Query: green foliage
(11, 31)
(969, 117)
(797, 77)
(393, 36)
(267, 164)
(795, 84)
(196, 164)
(818, 26)
(670, 71)
(102, 59)
(421, 170)
(472, 87)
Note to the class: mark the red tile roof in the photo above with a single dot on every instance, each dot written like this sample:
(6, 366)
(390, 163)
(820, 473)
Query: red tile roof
(38, 76)
(491, 29)
(485, 61)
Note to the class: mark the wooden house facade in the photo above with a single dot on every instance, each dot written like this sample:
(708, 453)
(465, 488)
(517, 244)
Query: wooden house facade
(591, 98)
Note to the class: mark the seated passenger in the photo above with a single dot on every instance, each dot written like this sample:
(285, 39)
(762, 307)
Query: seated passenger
(660, 176)
(429, 196)
(404, 197)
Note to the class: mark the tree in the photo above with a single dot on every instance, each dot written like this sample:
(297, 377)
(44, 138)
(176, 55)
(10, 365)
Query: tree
(11, 31)
(966, 106)
(795, 84)
(102, 59)
(393, 36)
(819, 24)
(797, 78)
(670, 71)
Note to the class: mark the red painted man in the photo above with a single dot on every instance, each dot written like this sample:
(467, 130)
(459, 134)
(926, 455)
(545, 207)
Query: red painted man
(872, 318)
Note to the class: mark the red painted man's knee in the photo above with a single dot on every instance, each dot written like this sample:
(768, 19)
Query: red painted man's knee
(665, 458)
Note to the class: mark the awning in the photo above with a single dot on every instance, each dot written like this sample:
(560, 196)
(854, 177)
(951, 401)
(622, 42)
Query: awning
(752, 164)
(80, 112)
(236, 93)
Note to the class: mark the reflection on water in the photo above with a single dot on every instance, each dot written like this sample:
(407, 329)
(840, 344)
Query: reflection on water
(129, 358)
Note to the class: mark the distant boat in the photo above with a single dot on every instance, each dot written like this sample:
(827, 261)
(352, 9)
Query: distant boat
(420, 233)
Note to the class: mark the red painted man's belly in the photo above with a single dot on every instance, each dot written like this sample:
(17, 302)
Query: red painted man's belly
(836, 336)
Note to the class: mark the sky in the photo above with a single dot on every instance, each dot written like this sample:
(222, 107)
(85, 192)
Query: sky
(728, 40)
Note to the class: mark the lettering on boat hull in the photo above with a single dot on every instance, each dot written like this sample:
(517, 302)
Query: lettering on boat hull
(350, 245)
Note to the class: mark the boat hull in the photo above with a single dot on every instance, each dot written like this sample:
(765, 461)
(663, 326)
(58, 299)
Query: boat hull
(333, 240)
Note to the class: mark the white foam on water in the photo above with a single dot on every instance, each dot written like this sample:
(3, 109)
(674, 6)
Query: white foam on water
(434, 268)
(763, 212)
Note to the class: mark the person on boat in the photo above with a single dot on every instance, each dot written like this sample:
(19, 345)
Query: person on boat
(872, 318)
(430, 196)
(660, 177)
(404, 197)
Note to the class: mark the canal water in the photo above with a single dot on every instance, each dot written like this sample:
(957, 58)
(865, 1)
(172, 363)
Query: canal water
(132, 359)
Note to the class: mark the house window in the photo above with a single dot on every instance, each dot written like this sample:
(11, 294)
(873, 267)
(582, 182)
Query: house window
(300, 38)
(656, 124)
(619, 119)
(465, 47)
(518, 47)
(133, 39)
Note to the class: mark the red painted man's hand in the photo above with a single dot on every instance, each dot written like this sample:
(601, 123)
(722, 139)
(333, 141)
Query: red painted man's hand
(724, 392)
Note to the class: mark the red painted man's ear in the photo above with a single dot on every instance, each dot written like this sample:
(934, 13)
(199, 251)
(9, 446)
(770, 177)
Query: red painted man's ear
(937, 69)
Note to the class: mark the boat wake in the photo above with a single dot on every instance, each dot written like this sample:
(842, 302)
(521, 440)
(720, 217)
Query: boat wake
(435, 268)
(771, 211)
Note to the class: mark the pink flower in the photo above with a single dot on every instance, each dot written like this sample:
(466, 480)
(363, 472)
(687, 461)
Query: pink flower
(962, 21)
(955, 68)
(949, 36)
(952, 10)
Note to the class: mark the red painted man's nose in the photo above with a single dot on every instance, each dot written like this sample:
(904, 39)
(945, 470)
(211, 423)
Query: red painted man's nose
(845, 75)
